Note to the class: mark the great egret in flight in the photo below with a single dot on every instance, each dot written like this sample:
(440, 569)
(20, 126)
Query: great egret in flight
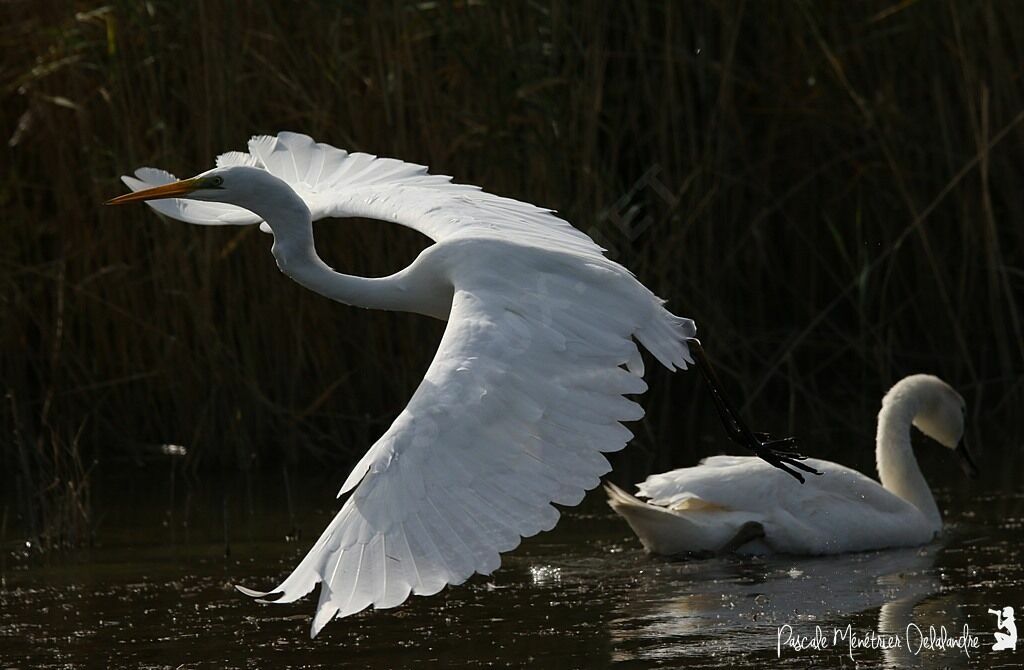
(730, 503)
(528, 385)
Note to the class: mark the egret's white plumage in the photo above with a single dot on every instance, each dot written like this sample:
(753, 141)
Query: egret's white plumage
(706, 507)
(527, 389)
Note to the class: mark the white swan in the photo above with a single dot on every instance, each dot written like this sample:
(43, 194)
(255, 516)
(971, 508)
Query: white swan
(733, 503)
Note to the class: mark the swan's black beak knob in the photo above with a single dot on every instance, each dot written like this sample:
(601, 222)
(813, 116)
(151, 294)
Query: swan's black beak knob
(967, 464)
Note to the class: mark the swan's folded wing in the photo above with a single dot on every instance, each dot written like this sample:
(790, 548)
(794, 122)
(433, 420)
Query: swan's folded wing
(747, 483)
(719, 480)
(511, 416)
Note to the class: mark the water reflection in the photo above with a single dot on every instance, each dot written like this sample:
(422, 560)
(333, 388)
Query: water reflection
(584, 595)
(735, 604)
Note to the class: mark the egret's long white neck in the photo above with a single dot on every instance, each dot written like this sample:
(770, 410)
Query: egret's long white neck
(295, 251)
(897, 466)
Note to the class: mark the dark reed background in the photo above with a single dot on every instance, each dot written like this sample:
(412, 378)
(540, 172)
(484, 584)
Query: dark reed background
(832, 190)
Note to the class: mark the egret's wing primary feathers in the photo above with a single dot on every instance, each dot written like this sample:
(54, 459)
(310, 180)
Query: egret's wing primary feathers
(525, 393)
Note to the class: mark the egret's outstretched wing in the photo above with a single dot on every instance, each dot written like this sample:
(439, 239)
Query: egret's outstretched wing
(525, 393)
(336, 183)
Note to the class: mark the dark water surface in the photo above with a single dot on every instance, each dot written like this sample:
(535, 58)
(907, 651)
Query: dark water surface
(156, 591)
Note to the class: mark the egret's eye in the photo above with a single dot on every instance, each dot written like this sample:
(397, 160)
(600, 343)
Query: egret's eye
(216, 181)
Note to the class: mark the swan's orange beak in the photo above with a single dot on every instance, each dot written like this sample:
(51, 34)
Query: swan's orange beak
(178, 189)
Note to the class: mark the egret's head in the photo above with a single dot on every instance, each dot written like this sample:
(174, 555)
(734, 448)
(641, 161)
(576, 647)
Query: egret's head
(941, 413)
(235, 184)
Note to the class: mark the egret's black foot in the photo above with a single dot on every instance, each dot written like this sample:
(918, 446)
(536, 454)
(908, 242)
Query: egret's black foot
(787, 444)
(782, 454)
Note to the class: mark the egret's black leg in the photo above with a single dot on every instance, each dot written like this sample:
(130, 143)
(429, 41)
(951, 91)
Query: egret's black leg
(781, 453)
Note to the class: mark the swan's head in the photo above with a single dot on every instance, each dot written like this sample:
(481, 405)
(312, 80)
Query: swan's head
(941, 413)
(248, 187)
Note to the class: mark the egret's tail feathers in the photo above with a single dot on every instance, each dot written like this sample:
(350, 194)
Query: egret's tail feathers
(666, 532)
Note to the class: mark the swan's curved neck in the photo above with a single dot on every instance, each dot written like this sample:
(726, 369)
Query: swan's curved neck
(897, 466)
(295, 252)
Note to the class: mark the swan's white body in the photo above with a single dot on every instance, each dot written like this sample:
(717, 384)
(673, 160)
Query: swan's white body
(524, 394)
(745, 505)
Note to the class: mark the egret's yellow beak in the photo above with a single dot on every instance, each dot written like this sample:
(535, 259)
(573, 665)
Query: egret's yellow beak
(178, 189)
